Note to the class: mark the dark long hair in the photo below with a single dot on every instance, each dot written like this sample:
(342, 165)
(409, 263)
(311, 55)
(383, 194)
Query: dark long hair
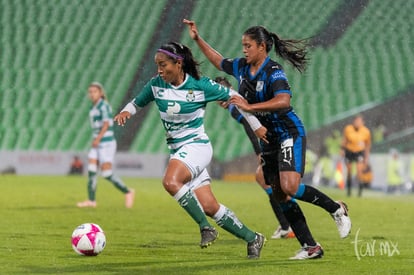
(294, 51)
(180, 51)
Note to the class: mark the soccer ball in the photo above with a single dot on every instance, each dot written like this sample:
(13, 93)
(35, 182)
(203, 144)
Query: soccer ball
(88, 239)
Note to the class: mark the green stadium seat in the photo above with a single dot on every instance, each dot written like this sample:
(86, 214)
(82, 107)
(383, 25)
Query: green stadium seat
(37, 119)
(38, 139)
(7, 98)
(9, 138)
(53, 139)
(51, 118)
(24, 137)
(51, 51)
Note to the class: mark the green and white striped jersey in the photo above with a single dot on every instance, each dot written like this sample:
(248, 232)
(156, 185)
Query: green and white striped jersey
(98, 114)
(182, 108)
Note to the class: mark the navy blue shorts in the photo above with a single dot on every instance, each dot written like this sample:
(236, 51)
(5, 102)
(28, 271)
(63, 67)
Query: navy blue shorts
(286, 156)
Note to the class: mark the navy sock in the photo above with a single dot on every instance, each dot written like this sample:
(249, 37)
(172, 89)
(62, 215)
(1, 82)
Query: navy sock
(297, 221)
(310, 194)
(278, 212)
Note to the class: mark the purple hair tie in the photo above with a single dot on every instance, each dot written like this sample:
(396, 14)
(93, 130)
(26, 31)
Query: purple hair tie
(170, 54)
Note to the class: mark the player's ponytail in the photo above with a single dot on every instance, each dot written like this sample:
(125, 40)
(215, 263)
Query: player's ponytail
(177, 51)
(294, 51)
(191, 66)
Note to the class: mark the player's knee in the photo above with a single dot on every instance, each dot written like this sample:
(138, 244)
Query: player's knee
(289, 183)
(211, 208)
(259, 176)
(289, 188)
(171, 186)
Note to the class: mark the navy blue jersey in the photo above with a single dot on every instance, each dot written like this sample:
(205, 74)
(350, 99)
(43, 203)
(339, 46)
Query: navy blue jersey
(269, 81)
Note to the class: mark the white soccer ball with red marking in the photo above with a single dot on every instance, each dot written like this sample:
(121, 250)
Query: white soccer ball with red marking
(88, 239)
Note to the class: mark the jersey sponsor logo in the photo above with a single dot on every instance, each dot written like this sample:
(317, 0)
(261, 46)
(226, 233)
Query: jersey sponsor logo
(173, 108)
(190, 97)
(278, 75)
(262, 113)
(182, 154)
(171, 126)
(259, 86)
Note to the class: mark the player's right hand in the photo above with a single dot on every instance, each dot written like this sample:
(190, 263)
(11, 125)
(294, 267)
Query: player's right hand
(122, 117)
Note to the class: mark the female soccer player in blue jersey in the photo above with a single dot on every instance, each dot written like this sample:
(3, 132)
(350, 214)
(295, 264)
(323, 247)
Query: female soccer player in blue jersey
(283, 231)
(181, 95)
(266, 93)
(103, 148)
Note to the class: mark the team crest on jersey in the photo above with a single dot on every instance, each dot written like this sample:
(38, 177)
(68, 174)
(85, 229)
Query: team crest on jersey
(259, 86)
(190, 96)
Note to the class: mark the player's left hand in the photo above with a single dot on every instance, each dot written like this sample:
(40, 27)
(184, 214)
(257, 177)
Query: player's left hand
(261, 133)
(240, 102)
(95, 143)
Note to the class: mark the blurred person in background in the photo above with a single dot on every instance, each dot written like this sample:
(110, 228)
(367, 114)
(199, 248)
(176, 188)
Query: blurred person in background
(324, 169)
(411, 168)
(356, 147)
(365, 179)
(76, 166)
(395, 172)
(102, 153)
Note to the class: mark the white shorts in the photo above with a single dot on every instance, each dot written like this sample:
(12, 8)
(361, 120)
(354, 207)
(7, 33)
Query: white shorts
(105, 152)
(202, 180)
(196, 156)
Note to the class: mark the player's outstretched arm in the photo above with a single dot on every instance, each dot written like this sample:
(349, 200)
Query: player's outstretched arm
(122, 117)
(259, 130)
(212, 55)
(125, 114)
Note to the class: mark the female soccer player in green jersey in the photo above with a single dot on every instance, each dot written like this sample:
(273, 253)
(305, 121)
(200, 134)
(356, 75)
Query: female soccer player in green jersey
(103, 147)
(181, 95)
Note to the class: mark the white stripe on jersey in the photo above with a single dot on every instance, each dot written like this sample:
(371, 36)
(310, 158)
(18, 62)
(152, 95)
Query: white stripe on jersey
(183, 111)
(178, 95)
(99, 113)
(176, 117)
(182, 107)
